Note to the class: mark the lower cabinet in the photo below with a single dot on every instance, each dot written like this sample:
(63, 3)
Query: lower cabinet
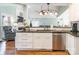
(42, 41)
(33, 41)
(70, 44)
(76, 45)
(23, 41)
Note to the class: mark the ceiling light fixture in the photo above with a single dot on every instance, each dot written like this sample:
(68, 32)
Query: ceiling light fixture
(48, 12)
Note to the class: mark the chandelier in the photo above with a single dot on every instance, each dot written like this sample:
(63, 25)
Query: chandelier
(48, 12)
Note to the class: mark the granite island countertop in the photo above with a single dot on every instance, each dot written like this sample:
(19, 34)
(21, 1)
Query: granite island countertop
(44, 31)
(76, 34)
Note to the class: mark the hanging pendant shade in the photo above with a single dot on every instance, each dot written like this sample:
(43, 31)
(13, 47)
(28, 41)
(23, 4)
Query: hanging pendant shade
(48, 12)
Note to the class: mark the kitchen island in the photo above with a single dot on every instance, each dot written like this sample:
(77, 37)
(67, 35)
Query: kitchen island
(43, 40)
(35, 39)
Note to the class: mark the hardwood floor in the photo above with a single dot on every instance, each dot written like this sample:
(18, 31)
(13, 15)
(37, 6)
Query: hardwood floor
(41, 53)
(8, 48)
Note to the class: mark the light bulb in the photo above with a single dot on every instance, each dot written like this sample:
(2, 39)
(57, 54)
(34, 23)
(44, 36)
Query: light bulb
(40, 13)
(56, 13)
(50, 13)
(45, 13)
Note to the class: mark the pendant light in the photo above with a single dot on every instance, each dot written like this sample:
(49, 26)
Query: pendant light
(48, 12)
(42, 12)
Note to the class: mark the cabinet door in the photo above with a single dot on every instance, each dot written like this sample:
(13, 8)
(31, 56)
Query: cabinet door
(42, 40)
(37, 42)
(77, 45)
(23, 40)
(48, 41)
(70, 46)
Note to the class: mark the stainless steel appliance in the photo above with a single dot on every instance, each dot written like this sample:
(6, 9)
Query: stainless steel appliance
(75, 26)
(59, 41)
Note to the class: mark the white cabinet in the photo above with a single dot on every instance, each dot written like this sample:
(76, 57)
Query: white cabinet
(23, 41)
(42, 41)
(76, 45)
(33, 41)
(70, 43)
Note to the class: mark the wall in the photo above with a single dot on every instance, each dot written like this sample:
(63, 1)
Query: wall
(9, 9)
(74, 12)
(45, 21)
(64, 18)
(22, 8)
(62, 9)
(71, 14)
(33, 12)
(19, 8)
(26, 14)
(12, 10)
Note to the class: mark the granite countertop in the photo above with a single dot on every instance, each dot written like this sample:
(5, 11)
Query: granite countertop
(76, 34)
(44, 31)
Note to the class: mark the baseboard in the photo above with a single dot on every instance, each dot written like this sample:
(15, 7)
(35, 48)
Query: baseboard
(58, 50)
(68, 52)
(38, 50)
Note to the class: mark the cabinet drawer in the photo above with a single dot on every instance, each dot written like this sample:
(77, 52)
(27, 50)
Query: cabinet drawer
(22, 38)
(23, 46)
(23, 34)
(42, 37)
(42, 34)
(24, 41)
(20, 43)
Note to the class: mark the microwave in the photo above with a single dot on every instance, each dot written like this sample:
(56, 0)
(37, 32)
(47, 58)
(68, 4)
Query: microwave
(75, 26)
